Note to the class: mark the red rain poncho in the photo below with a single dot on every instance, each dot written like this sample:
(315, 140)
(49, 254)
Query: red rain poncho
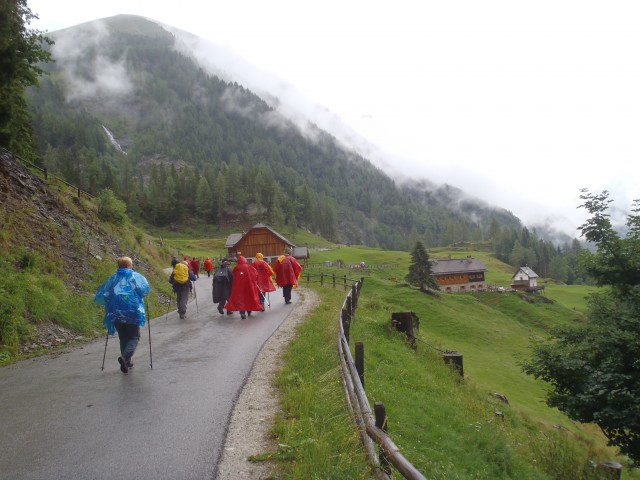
(287, 271)
(265, 272)
(208, 265)
(244, 291)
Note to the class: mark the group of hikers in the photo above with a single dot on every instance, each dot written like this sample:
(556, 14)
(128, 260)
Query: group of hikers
(243, 289)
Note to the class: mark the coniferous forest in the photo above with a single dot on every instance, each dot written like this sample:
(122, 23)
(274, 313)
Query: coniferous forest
(181, 146)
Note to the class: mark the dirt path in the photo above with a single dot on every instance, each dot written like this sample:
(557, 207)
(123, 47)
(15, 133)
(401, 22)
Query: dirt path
(258, 402)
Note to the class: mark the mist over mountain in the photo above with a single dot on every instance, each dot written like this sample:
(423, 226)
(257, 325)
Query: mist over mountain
(184, 131)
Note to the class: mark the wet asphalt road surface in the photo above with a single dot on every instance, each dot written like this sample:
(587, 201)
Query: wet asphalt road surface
(62, 417)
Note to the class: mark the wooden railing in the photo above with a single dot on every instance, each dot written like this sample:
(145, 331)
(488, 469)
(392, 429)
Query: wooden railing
(332, 279)
(372, 428)
(45, 173)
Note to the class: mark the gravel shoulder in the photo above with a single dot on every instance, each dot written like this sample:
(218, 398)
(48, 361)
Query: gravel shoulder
(255, 411)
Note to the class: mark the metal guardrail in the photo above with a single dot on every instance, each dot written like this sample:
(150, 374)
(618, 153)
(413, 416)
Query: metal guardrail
(371, 428)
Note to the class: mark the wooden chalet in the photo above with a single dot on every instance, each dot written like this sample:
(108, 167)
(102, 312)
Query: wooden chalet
(262, 239)
(459, 274)
(526, 279)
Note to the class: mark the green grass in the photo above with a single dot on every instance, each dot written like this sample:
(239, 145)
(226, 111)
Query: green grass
(316, 436)
(447, 427)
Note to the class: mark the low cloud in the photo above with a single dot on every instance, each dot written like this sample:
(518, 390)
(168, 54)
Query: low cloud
(88, 75)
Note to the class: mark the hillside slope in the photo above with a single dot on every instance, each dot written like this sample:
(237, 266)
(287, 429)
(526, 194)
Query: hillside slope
(124, 107)
(54, 251)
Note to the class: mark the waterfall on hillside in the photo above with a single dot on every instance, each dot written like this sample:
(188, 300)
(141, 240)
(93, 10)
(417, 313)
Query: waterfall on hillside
(113, 140)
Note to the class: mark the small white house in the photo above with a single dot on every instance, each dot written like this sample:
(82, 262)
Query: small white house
(525, 279)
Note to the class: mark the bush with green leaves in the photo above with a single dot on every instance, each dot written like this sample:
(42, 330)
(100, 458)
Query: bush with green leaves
(110, 207)
(594, 369)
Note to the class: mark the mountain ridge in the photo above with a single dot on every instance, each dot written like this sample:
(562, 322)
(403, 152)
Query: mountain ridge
(141, 87)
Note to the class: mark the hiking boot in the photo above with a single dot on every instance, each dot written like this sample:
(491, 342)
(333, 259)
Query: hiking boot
(249, 313)
(123, 365)
(221, 310)
(243, 316)
(182, 315)
(229, 312)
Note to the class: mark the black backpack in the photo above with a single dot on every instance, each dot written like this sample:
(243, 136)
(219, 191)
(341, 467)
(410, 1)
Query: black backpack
(220, 275)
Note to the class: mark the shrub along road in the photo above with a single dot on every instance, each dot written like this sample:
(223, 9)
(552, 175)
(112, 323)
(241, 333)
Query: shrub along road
(62, 417)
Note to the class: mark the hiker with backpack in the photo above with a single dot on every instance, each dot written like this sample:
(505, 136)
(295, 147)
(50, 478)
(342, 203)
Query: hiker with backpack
(265, 272)
(244, 291)
(287, 271)
(208, 266)
(195, 266)
(181, 278)
(122, 296)
(221, 289)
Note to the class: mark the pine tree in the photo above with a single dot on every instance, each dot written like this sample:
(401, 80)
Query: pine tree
(420, 274)
(21, 55)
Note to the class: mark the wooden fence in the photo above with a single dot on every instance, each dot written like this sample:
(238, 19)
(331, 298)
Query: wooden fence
(47, 176)
(372, 428)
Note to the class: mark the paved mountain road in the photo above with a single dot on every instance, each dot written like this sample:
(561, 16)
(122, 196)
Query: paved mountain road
(61, 417)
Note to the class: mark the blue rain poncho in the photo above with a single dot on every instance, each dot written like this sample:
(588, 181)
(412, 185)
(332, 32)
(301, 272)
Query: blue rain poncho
(122, 295)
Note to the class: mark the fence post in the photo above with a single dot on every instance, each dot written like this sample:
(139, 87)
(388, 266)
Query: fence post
(346, 323)
(354, 295)
(78, 192)
(348, 307)
(345, 283)
(321, 278)
(455, 360)
(381, 422)
(609, 470)
(46, 174)
(360, 361)
(334, 280)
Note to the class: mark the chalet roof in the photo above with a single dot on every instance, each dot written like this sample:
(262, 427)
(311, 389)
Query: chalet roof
(457, 265)
(527, 271)
(234, 238)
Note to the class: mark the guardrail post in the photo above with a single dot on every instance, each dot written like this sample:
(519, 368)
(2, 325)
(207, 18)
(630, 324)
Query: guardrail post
(360, 284)
(348, 306)
(346, 323)
(381, 422)
(454, 359)
(360, 361)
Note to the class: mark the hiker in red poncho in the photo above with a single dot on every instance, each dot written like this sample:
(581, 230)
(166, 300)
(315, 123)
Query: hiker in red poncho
(244, 290)
(265, 272)
(287, 271)
(195, 266)
(208, 266)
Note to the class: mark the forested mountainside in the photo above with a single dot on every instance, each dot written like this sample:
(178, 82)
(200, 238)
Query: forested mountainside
(122, 109)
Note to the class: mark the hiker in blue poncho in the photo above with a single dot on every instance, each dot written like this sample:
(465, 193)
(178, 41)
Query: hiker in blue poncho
(122, 295)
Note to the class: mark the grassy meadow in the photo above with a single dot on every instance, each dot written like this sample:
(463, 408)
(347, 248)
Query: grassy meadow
(446, 426)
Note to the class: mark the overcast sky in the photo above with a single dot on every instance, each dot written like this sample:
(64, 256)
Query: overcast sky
(519, 103)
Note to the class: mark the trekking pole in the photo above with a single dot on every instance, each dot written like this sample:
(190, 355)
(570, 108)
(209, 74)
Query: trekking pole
(105, 349)
(149, 325)
(168, 306)
(195, 295)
